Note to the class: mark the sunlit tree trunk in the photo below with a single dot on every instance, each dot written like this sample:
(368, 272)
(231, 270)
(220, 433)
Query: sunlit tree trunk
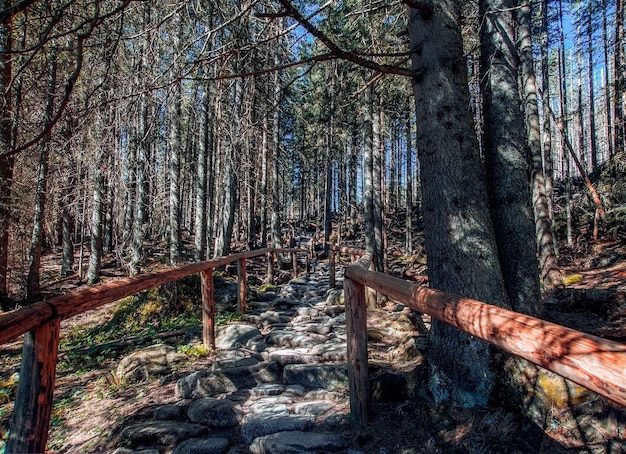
(457, 221)
(541, 208)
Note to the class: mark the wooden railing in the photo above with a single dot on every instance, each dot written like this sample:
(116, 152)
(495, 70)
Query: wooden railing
(595, 363)
(41, 322)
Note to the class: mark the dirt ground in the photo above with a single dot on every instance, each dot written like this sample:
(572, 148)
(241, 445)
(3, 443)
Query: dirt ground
(92, 408)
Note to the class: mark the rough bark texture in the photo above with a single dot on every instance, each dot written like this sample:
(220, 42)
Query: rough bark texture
(507, 158)
(462, 254)
(6, 162)
(95, 257)
(546, 250)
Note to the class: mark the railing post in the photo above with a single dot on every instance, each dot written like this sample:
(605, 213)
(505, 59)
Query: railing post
(331, 269)
(241, 296)
(270, 268)
(208, 308)
(294, 262)
(358, 380)
(30, 421)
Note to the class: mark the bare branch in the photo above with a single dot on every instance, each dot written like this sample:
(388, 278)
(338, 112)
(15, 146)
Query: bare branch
(351, 56)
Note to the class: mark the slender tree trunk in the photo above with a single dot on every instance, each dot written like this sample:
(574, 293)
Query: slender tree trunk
(408, 241)
(457, 221)
(368, 176)
(544, 235)
(619, 78)
(591, 117)
(378, 178)
(201, 179)
(276, 211)
(328, 181)
(67, 221)
(608, 117)
(6, 144)
(95, 254)
(548, 160)
(263, 207)
(33, 283)
(174, 172)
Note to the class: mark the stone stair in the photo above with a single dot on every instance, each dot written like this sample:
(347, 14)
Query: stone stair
(278, 382)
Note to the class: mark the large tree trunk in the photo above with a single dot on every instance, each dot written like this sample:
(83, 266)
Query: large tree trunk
(460, 242)
(506, 157)
(546, 249)
(95, 257)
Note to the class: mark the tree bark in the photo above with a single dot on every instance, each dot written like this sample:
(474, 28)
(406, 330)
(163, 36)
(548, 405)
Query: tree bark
(6, 143)
(460, 242)
(507, 158)
(33, 282)
(546, 248)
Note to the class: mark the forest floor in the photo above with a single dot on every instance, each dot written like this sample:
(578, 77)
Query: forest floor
(592, 300)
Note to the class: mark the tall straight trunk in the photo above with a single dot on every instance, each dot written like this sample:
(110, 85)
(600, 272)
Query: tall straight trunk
(6, 144)
(548, 160)
(202, 180)
(95, 254)
(368, 177)
(591, 117)
(33, 282)
(608, 102)
(67, 221)
(457, 220)
(264, 186)
(619, 78)
(175, 144)
(276, 212)
(546, 250)
(408, 190)
(328, 181)
(352, 175)
(222, 246)
(378, 178)
(141, 141)
(507, 157)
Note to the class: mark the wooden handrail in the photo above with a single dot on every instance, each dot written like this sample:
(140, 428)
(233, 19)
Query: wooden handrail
(595, 363)
(41, 321)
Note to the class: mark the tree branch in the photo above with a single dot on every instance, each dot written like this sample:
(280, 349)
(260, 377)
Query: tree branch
(351, 56)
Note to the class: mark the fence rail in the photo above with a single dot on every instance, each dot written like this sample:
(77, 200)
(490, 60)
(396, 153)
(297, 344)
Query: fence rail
(595, 363)
(41, 324)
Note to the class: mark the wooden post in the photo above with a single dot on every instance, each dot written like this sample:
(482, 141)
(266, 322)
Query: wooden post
(294, 262)
(33, 403)
(358, 380)
(331, 269)
(270, 268)
(208, 308)
(241, 296)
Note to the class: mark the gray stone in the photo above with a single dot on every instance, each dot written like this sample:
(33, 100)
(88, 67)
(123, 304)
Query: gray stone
(254, 426)
(296, 390)
(162, 432)
(296, 442)
(210, 383)
(131, 451)
(265, 408)
(322, 394)
(217, 413)
(314, 408)
(334, 310)
(326, 376)
(267, 389)
(292, 356)
(307, 311)
(167, 412)
(284, 303)
(235, 334)
(336, 353)
(335, 297)
(202, 446)
(154, 360)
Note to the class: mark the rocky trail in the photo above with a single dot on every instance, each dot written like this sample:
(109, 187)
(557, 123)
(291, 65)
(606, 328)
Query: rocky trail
(278, 382)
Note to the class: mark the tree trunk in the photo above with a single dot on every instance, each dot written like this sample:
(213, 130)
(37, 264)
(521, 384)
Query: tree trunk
(546, 249)
(95, 257)
(33, 283)
(457, 221)
(619, 78)
(506, 157)
(408, 240)
(6, 144)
